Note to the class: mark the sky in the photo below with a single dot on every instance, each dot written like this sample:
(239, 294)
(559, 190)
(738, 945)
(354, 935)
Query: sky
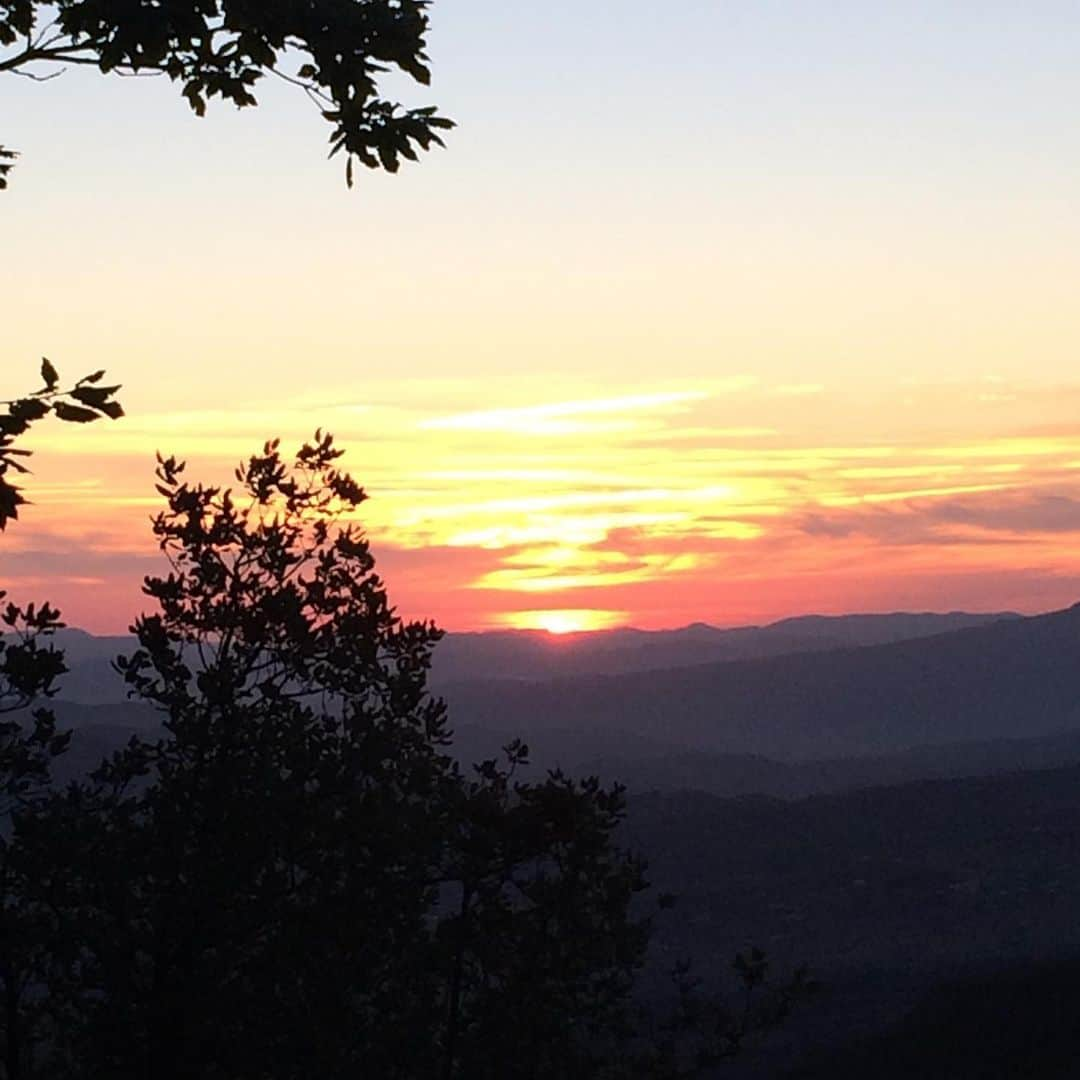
(713, 312)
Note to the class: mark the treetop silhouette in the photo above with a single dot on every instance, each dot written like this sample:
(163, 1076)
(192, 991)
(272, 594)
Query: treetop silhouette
(298, 879)
(335, 51)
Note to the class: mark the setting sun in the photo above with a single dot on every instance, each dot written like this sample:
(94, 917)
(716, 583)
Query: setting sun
(565, 621)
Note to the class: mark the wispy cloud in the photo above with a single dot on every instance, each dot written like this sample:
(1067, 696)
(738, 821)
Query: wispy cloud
(799, 389)
(657, 501)
(564, 417)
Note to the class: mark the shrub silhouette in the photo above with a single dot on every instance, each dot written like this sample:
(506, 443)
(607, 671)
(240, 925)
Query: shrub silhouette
(297, 879)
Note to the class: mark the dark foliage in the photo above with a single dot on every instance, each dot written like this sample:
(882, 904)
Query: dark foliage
(82, 403)
(336, 51)
(7, 163)
(29, 742)
(297, 879)
(29, 667)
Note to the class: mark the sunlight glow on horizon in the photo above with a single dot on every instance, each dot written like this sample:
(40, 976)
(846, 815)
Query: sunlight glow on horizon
(565, 621)
(814, 351)
(723, 530)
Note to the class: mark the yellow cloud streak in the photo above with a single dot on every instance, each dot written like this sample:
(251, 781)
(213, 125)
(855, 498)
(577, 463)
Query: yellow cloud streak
(533, 504)
(548, 515)
(537, 582)
(559, 418)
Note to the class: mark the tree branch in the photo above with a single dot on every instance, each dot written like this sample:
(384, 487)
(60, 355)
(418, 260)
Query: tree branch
(75, 53)
(38, 78)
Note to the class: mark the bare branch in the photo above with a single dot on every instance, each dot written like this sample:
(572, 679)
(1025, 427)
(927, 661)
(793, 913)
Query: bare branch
(319, 98)
(34, 77)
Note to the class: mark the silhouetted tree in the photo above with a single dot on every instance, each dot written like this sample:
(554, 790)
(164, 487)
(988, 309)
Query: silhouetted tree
(30, 666)
(336, 51)
(296, 879)
(540, 938)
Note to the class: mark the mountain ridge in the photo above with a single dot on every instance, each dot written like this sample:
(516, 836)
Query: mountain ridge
(538, 655)
(1010, 678)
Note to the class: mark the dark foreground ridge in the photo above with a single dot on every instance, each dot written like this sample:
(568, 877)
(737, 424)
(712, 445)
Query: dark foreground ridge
(923, 907)
(944, 902)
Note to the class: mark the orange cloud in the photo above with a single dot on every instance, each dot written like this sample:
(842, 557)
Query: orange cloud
(705, 503)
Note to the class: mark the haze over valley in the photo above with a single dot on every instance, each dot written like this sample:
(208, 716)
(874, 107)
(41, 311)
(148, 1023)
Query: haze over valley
(889, 798)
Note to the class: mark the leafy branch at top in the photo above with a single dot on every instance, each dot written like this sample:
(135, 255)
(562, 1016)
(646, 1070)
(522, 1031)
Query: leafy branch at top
(336, 51)
(82, 403)
(7, 163)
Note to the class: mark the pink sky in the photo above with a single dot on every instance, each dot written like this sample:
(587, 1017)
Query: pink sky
(725, 317)
(727, 501)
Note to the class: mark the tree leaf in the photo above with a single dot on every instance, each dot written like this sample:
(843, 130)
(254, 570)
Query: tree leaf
(74, 413)
(48, 375)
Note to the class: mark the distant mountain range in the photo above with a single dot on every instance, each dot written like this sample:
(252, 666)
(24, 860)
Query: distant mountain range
(1011, 678)
(907, 696)
(885, 887)
(532, 655)
(538, 655)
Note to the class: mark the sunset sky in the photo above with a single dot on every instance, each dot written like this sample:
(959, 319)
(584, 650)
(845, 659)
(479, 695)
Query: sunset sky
(757, 310)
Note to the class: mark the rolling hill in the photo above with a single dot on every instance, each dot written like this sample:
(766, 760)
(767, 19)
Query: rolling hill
(1014, 678)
